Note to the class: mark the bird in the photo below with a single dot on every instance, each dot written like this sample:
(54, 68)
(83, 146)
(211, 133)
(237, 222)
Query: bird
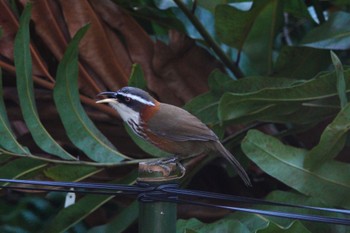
(168, 127)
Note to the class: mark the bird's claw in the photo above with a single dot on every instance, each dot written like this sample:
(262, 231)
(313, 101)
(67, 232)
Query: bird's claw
(166, 166)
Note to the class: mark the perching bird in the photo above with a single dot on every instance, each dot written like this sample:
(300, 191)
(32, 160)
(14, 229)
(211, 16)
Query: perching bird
(168, 127)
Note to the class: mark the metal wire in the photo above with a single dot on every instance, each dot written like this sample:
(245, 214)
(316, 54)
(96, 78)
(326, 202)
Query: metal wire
(172, 193)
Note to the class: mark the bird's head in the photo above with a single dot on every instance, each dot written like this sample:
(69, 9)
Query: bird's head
(129, 102)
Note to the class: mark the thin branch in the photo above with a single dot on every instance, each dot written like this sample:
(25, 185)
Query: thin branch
(211, 42)
(7, 67)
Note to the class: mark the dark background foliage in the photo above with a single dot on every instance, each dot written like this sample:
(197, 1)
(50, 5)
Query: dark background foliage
(270, 77)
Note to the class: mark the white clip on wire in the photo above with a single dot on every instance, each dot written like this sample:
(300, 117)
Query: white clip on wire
(70, 198)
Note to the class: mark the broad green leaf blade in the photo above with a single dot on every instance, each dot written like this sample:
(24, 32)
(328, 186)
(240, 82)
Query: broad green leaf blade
(258, 222)
(206, 105)
(20, 167)
(297, 8)
(4, 157)
(23, 63)
(334, 34)
(8, 139)
(210, 5)
(312, 93)
(295, 198)
(341, 83)
(233, 25)
(222, 226)
(294, 227)
(252, 31)
(332, 140)
(71, 215)
(64, 172)
(80, 129)
(137, 78)
(252, 221)
(145, 146)
(301, 62)
(121, 222)
(330, 182)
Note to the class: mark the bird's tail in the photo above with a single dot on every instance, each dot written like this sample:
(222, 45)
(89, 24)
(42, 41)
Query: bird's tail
(238, 167)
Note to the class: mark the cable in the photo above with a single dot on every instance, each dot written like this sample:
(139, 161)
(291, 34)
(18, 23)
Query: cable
(146, 192)
(208, 195)
(118, 187)
(313, 218)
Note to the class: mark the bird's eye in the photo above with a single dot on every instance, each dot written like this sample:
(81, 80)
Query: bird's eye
(127, 99)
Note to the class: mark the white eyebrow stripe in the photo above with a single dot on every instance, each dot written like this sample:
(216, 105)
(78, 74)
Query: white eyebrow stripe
(137, 98)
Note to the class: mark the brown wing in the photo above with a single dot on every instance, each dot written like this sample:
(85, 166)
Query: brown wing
(177, 124)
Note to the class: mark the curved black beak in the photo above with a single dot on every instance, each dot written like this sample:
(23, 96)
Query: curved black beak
(109, 94)
(110, 97)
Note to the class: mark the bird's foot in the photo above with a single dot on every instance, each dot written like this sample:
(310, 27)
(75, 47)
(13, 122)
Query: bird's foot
(166, 166)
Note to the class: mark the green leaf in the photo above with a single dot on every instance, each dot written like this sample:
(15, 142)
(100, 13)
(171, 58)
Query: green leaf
(64, 172)
(330, 182)
(145, 146)
(332, 140)
(137, 78)
(268, 103)
(220, 226)
(295, 198)
(252, 221)
(20, 167)
(23, 63)
(209, 4)
(333, 34)
(341, 83)
(252, 31)
(297, 8)
(205, 106)
(163, 5)
(341, 3)
(80, 129)
(292, 228)
(121, 222)
(8, 139)
(301, 62)
(258, 222)
(71, 215)
(4, 157)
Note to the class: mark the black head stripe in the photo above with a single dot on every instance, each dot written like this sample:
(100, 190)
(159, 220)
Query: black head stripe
(132, 94)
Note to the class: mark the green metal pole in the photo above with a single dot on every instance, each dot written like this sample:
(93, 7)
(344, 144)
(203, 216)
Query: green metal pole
(158, 216)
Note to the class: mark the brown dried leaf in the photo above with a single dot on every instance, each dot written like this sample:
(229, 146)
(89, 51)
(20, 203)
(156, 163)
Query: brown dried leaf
(184, 65)
(139, 45)
(50, 26)
(95, 48)
(52, 30)
(176, 72)
(9, 23)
